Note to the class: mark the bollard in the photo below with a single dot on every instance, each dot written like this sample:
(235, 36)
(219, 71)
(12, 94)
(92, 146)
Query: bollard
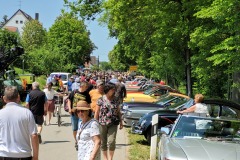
(153, 148)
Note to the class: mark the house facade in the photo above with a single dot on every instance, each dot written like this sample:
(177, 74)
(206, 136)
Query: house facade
(17, 21)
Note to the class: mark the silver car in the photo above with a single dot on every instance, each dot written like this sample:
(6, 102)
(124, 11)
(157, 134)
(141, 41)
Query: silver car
(200, 138)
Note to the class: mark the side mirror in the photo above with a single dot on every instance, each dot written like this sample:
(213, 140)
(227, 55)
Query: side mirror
(163, 130)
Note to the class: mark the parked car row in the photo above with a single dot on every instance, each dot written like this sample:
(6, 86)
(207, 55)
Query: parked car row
(191, 136)
(217, 108)
(150, 94)
(132, 111)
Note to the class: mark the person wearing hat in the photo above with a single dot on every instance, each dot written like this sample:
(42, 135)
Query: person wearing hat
(95, 94)
(88, 134)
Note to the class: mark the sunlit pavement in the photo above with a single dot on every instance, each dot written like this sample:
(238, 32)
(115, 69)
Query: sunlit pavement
(58, 142)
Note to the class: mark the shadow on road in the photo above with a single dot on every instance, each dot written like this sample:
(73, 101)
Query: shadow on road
(63, 124)
(143, 142)
(121, 145)
(45, 142)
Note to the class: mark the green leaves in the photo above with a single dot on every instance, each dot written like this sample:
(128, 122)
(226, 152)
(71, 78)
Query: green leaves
(70, 36)
(34, 35)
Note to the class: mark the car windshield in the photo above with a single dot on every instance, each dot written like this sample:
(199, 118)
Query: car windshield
(178, 105)
(63, 76)
(165, 99)
(207, 128)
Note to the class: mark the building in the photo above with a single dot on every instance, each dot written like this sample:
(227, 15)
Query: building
(93, 62)
(17, 21)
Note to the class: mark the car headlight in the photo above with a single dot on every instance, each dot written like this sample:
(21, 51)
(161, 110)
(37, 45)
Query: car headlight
(143, 122)
(125, 107)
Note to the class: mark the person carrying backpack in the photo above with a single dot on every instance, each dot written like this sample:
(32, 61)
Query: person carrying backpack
(74, 97)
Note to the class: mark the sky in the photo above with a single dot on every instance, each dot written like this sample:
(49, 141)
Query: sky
(48, 11)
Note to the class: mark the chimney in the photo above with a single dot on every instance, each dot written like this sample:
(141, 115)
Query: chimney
(36, 16)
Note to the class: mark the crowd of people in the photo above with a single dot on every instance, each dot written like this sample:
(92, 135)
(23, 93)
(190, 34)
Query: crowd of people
(94, 103)
(94, 110)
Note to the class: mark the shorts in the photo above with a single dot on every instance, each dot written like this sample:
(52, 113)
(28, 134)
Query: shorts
(38, 119)
(75, 120)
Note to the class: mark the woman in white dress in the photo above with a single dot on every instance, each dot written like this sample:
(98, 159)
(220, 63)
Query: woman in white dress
(88, 135)
(198, 107)
(50, 107)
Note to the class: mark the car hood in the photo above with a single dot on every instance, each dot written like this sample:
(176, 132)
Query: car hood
(138, 97)
(198, 149)
(137, 104)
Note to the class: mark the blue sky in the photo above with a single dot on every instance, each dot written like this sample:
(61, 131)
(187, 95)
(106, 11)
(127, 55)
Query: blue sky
(48, 11)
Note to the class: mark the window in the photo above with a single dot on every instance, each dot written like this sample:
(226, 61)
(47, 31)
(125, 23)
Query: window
(21, 22)
(16, 21)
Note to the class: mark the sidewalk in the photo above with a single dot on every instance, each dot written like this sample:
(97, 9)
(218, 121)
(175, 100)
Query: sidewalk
(58, 142)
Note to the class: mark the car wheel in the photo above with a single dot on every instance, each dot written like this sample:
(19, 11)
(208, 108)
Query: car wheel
(148, 136)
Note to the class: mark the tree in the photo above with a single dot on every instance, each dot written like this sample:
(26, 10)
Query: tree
(69, 39)
(86, 9)
(104, 66)
(5, 19)
(8, 39)
(217, 40)
(34, 35)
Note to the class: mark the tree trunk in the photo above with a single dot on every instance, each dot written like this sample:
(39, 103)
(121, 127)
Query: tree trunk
(236, 90)
(188, 73)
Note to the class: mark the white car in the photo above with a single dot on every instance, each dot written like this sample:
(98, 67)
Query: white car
(64, 76)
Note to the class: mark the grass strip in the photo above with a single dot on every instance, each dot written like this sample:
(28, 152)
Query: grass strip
(139, 149)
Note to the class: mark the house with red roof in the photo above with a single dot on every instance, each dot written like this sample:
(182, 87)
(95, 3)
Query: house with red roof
(17, 21)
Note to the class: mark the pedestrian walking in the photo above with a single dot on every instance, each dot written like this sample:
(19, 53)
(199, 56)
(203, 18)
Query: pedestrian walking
(76, 84)
(88, 134)
(95, 94)
(109, 116)
(74, 97)
(36, 101)
(69, 84)
(121, 91)
(50, 107)
(18, 132)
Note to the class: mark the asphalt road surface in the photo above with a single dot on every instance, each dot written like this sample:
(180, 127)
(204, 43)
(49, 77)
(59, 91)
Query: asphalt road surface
(58, 142)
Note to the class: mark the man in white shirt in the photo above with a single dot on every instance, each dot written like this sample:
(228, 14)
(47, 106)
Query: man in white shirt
(18, 131)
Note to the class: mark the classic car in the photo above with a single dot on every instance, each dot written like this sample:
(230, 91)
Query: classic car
(195, 137)
(149, 95)
(217, 108)
(133, 111)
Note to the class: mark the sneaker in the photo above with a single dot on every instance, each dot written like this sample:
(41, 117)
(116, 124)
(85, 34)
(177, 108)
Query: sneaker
(76, 146)
(39, 138)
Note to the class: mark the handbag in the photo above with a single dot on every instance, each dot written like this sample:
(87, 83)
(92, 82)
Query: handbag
(65, 105)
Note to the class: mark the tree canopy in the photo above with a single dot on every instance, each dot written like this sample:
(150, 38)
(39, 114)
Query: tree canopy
(184, 42)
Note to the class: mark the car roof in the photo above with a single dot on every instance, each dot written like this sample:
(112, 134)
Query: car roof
(222, 102)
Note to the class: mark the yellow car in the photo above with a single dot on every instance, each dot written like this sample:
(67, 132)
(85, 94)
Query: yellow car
(139, 97)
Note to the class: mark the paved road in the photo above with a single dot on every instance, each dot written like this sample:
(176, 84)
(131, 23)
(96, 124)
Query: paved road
(58, 142)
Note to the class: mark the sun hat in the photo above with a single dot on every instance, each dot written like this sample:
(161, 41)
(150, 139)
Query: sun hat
(82, 105)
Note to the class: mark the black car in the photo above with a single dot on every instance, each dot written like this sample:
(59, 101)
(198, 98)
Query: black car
(216, 107)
